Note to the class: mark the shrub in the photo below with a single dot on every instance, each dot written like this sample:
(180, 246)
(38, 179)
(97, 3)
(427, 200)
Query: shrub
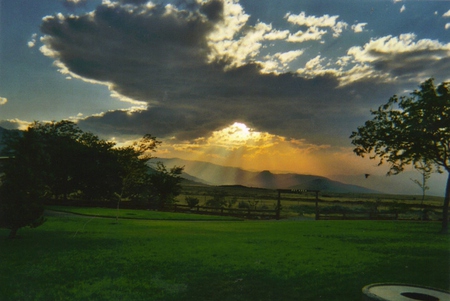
(244, 204)
(192, 202)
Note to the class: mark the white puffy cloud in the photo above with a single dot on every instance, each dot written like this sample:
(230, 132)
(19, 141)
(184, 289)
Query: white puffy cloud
(313, 22)
(227, 40)
(312, 34)
(390, 45)
(358, 27)
(386, 59)
(447, 14)
(276, 35)
(403, 8)
(14, 124)
(3, 100)
(280, 60)
(32, 42)
(404, 56)
(447, 25)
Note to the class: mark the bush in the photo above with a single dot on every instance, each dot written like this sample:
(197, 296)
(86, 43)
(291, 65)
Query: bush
(303, 209)
(192, 202)
(218, 201)
(244, 205)
(231, 202)
(334, 209)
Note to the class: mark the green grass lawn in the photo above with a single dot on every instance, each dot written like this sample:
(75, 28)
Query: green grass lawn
(70, 258)
(140, 214)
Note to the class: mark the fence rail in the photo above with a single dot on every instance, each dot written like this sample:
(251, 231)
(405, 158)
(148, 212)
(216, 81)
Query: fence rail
(319, 208)
(237, 212)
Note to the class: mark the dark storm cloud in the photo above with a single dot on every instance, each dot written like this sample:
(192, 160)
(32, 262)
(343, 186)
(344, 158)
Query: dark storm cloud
(213, 10)
(409, 64)
(160, 56)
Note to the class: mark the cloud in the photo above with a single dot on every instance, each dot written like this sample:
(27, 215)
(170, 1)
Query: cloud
(32, 42)
(74, 3)
(14, 124)
(3, 100)
(276, 35)
(447, 25)
(313, 22)
(194, 68)
(447, 14)
(244, 147)
(280, 60)
(358, 27)
(403, 8)
(312, 34)
(404, 56)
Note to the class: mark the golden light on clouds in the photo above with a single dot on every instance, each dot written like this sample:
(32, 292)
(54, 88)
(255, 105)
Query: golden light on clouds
(241, 146)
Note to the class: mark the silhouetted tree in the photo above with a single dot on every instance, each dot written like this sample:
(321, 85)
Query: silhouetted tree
(425, 169)
(166, 184)
(58, 159)
(22, 188)
(407, 130)
(134, 170)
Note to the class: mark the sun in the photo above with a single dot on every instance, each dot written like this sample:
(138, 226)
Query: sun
(239, 132)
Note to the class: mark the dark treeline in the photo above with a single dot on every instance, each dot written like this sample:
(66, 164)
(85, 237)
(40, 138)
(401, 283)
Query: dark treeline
(59, 161)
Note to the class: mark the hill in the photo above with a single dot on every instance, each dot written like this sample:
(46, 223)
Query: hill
(212, 174)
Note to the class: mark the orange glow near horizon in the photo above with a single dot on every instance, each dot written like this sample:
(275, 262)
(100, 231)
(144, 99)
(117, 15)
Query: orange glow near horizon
(240, 146)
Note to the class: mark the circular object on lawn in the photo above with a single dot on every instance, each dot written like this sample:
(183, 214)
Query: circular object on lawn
(403, 292)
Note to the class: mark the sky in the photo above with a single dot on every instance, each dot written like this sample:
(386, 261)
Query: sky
(258, 84)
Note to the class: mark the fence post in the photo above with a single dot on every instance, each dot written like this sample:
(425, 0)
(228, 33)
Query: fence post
(317, 206)
(278, 205)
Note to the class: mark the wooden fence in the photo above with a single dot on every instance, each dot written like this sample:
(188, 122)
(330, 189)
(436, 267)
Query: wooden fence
(317, 208)
(337, 210)
(409, 212)
(235, 212)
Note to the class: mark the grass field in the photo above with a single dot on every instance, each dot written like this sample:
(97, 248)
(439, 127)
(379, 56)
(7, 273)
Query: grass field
(72, 258)
(140, 214)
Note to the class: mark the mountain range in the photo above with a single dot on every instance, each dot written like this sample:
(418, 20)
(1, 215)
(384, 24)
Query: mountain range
(204, 173)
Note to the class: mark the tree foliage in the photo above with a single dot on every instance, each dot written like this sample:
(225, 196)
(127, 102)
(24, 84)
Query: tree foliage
(409, 130)
(57, 160)
(166, 184)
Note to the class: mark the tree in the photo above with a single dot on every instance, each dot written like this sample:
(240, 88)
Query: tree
(425, 169)
(408, 130)
(166, 184)
(22, 187)
(19, 208)
(192, 201)
(60, 142)
(134, 171)
(73, 162)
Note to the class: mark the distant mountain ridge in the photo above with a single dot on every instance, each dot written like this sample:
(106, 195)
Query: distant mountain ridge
(213, 174)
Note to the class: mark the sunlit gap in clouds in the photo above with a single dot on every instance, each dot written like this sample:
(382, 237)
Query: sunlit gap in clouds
(236, 145)
(239, 145)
